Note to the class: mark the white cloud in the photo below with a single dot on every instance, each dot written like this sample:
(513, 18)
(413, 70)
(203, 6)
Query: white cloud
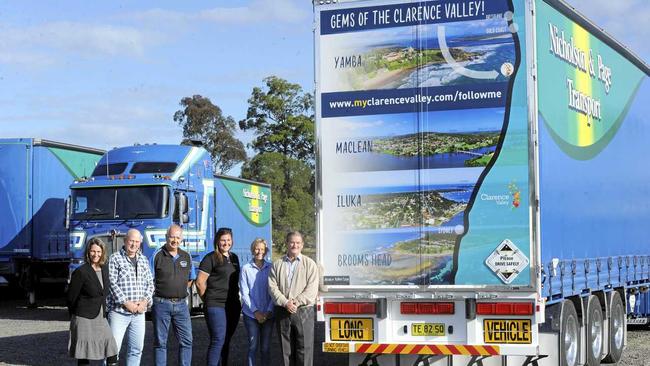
(279, 11)
(19, 57)
(45, 44)
(625, 20)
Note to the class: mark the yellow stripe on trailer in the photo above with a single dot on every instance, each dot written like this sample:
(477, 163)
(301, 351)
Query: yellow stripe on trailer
(254, 204)
(426, 349)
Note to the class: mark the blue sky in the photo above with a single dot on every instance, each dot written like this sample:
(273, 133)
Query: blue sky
(111, 73)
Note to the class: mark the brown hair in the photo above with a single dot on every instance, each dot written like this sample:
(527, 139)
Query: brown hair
(99, 243)
(220, 232)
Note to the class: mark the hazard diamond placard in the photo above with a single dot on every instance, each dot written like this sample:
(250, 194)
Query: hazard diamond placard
(507, 261)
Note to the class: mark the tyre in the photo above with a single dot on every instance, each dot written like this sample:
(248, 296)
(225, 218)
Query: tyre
(616, 329)
(594, 332)
(569, 335)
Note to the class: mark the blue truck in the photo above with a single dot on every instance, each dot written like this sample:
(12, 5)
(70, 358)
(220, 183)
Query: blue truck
(148, 187)
(482, 184)
(35, 176)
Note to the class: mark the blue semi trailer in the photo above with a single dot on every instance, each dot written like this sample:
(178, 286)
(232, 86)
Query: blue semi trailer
(35, 176)
(149, 187)
(483, 190)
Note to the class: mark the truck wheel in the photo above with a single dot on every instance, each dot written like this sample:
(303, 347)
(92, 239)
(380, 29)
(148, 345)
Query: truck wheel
(616, 329)
(569, 335)
(594, 331)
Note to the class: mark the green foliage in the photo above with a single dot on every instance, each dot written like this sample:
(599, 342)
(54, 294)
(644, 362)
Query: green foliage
(292, 197)
(201, 120)
(281, 114)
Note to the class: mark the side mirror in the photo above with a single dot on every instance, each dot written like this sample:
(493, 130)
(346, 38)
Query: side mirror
(181, 209)
(68, 207)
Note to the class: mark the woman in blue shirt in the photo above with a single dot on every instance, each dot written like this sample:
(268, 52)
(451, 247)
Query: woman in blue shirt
(257, 303)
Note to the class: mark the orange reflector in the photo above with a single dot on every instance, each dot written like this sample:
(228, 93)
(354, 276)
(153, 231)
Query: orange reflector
(427, 308)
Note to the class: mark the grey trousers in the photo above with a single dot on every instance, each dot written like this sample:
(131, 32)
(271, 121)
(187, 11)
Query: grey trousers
(296, 333)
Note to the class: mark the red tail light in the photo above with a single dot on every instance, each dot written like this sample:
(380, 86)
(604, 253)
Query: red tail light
(426, 307)
(350, 308)
(504, 308)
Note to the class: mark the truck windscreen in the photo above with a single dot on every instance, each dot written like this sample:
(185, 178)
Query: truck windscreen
(121, 203)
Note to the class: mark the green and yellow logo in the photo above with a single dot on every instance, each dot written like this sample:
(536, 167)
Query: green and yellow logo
(585, 88)
(252, 200)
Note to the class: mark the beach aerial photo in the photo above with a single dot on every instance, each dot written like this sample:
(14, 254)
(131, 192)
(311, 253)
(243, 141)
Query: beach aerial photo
(395, 59)
(415, 230)
(403, 209)
(389, 67)
(424, 259)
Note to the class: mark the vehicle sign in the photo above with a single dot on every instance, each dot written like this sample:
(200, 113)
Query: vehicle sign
(351, 329)
(428, 329)
(507, 331)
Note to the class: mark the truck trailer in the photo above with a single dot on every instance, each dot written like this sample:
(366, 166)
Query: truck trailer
(34, 178)
(149, 187)
(482, 194)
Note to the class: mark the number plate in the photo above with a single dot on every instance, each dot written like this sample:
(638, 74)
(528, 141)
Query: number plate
(507, 331)
(428, 329)
(351, 329)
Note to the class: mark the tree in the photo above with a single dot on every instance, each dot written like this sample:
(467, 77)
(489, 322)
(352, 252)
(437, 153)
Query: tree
(292, 200)
(282, 116)
(283, 119)
(201, 120)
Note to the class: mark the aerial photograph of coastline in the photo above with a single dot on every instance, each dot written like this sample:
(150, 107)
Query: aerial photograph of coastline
(416, 257)
(396, 60)
(402, 142)
(417, 230)
(407, 209)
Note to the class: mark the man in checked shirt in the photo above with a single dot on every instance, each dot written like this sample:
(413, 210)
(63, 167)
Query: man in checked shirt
(131, 290)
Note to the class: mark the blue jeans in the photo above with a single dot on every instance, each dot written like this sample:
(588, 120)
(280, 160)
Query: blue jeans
(165, 311)
(258, 334)
(135, 325)
(215, 317)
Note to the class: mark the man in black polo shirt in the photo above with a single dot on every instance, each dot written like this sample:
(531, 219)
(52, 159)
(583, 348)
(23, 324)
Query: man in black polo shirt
(173, 273)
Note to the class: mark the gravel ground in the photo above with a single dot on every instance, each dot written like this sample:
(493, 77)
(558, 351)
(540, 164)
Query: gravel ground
(40, 337)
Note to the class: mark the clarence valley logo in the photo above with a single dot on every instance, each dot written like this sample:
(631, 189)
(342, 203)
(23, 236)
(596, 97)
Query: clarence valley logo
(512, 198)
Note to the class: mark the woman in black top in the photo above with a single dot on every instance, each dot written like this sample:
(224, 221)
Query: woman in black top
(90, 334)
(218, 285)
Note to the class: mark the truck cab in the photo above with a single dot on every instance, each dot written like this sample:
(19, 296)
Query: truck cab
(150, 187)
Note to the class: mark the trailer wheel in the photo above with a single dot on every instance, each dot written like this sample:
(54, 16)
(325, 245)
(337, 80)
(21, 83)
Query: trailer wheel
(616, 329)
(594, 331)
(569, 335)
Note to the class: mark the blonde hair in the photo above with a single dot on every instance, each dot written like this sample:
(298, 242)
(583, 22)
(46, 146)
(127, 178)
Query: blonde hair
(259, 241)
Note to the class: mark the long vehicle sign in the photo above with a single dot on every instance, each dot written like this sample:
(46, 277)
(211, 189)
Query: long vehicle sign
(517, 331)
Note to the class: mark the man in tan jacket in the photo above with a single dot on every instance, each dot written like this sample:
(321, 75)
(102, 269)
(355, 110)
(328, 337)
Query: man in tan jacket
(293, 284)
